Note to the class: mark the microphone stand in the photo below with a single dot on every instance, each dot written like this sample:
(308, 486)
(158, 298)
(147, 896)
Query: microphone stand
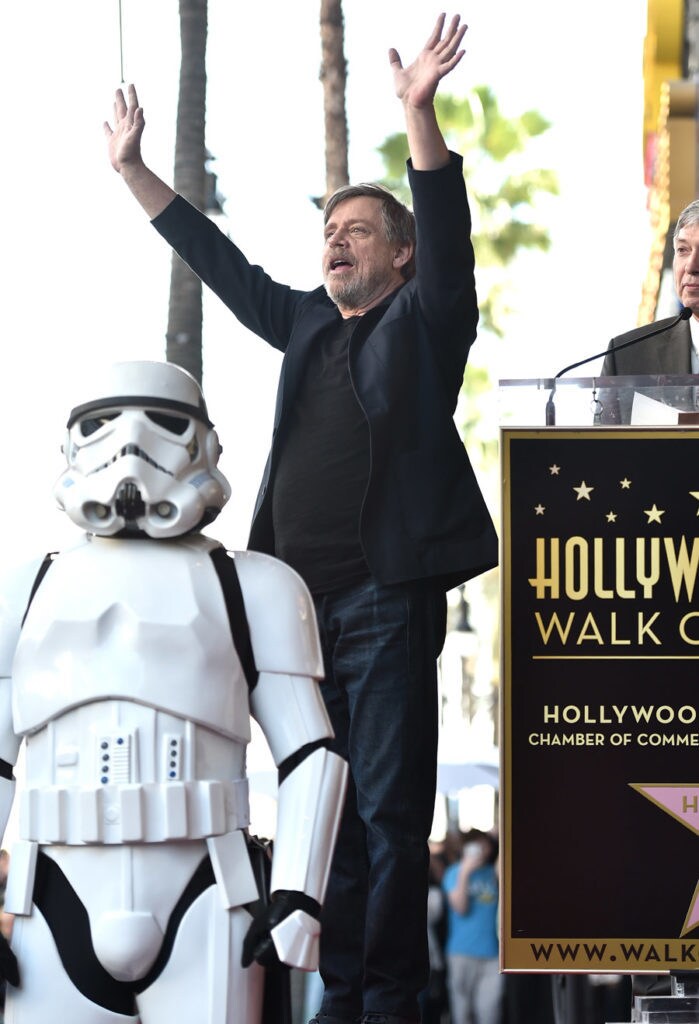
(550, 414)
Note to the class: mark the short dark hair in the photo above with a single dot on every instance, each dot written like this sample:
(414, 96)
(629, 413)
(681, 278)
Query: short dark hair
(398, 220)
(476, 835)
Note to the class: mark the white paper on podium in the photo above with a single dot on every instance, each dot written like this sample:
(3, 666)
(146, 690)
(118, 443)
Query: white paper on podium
(648, 412)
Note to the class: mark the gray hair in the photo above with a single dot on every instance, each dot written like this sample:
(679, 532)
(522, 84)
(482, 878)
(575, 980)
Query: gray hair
(690, 215)
(398, 220)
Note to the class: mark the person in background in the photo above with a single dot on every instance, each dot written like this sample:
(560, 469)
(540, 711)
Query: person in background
(476, 989)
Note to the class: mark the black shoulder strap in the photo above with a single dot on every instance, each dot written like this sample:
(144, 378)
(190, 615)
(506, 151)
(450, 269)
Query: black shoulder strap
(43, 569)
(233, 596)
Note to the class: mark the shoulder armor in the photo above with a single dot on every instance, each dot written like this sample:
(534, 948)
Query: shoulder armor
(281, 616)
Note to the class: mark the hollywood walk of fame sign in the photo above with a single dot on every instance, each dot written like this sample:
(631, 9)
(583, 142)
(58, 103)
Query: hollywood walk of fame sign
(600, 781)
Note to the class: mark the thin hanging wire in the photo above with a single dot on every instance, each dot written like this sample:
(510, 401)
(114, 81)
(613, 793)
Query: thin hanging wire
(121, 47)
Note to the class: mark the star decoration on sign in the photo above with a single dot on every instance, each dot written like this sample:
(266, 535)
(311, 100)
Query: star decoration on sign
(654, 514)
(681, 802)
(623, 498)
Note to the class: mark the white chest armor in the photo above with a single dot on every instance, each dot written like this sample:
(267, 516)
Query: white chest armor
(131, 697)
(134, 620)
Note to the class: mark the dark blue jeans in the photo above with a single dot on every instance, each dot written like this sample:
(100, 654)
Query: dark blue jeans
(380, 645)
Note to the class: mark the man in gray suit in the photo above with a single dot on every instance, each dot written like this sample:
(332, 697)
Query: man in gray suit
(673, 351)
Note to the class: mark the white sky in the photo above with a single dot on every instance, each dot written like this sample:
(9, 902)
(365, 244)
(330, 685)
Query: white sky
(86, 278)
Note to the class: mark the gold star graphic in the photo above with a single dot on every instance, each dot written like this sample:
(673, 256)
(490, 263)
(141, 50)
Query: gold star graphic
(695, 494)
(583, 491)
(554, 470)
(539, 509)
(654, 514)
(611, 517)
(625, 483)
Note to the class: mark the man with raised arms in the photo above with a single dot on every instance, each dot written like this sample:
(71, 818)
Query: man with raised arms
(369, 494)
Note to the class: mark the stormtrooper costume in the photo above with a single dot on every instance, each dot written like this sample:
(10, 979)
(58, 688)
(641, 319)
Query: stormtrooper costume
(129, 667)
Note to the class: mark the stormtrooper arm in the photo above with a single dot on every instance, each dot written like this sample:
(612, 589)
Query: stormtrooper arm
(14, 598)
(9, 742)
(287, 704)
(15, 591)
(9, 749)
(312, 782)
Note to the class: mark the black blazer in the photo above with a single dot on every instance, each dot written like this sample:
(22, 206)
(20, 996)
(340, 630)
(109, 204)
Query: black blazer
(423, 514)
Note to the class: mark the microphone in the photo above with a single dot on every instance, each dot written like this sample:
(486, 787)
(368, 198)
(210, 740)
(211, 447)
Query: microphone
(684, 314)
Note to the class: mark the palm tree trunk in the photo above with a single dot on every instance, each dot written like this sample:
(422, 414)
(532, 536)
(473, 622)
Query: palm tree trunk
(184, 330)
(333, 75)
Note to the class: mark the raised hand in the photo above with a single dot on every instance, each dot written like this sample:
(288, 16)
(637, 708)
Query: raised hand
(125, 154)
(125, 137)
(416, 84)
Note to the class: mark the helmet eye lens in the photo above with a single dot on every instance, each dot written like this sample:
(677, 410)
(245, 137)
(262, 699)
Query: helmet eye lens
(169, 421)
(91, 424)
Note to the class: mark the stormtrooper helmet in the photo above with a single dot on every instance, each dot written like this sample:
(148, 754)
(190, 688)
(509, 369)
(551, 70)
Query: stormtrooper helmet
(142, 455)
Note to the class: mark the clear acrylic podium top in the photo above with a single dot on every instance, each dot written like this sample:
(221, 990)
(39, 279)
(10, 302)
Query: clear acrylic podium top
(605, 401)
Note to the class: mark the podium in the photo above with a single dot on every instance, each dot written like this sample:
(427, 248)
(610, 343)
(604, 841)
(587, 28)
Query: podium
(600, 680)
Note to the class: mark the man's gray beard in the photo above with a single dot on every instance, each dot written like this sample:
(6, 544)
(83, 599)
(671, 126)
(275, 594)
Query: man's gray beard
(348, 295)
(352, 294)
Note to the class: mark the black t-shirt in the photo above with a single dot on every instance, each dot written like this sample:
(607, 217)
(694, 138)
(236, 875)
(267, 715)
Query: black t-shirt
(323, 468)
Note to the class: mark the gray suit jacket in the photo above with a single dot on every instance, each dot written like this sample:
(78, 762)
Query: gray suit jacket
(668, 353)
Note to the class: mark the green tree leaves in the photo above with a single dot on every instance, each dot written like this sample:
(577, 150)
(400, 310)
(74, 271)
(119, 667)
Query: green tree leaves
(504, 190)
